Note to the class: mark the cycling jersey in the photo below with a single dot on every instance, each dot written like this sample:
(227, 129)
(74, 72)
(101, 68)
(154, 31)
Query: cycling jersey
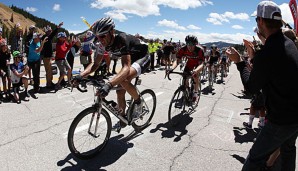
(214, 57)
(195, 58)
(126, 44)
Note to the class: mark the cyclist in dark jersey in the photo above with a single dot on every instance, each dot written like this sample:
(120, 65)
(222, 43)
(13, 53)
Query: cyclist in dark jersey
(213, 58)
(195, 60)
(135, 59)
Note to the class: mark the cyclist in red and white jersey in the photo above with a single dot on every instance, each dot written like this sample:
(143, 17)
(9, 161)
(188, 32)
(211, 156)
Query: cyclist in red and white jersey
(195, 60)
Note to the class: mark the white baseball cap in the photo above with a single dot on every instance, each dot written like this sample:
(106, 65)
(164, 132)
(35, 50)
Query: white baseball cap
(269, 10)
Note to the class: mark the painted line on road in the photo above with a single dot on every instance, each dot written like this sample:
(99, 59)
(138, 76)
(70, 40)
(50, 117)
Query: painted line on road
(86, 126)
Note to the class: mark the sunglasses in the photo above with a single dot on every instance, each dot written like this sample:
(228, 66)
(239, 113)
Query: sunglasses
(190, 44)
(257, 19)
(102, 36)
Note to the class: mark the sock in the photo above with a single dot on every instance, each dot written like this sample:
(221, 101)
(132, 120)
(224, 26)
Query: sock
(251, 118)
(262, 121)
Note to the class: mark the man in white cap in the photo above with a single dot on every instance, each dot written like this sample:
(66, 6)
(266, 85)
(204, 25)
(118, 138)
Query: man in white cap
(279, 53)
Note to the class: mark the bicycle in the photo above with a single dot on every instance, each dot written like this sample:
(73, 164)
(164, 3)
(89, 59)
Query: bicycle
(204, 75)
(211, 76)
(222, 71)
(183, 96)
(90, 130)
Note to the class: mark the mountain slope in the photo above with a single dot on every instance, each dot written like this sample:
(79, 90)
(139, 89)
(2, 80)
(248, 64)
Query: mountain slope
(5, 16)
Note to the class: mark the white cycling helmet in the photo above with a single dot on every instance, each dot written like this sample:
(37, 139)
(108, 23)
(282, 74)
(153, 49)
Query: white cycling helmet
(89, 34)
(61, 34)
(103, 26)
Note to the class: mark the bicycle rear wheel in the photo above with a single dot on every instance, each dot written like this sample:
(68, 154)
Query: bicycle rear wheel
(149, 106)
(89, 133)
(177, 107)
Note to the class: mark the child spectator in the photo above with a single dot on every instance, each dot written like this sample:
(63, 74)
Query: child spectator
(4, 69)
(62, 47)
(18, 70)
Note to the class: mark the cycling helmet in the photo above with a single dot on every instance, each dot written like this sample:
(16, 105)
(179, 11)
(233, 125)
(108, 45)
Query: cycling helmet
(61, 34)
(103, 26)
(16, 54)
(89, 34)
(213, 46)
(191, 39)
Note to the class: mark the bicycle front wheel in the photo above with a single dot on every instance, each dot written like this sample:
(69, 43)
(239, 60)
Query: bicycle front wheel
(89, 133)
(177, 107)
(149, 106)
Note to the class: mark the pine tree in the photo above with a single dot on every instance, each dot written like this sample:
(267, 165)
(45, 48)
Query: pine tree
(11, 18)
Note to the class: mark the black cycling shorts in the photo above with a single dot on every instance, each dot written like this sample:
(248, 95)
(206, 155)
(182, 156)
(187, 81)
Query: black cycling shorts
(141, 65)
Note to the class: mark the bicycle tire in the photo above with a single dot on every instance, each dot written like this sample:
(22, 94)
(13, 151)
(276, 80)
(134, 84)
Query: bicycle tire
(211, 79)
(176, 107)
(149, 107)
(76, 129)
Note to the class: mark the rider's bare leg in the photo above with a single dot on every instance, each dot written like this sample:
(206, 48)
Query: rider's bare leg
(197, 81)
(121, 101)
(128, 86)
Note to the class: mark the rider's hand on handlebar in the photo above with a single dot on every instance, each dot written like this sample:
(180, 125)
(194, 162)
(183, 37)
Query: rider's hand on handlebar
(104, 91)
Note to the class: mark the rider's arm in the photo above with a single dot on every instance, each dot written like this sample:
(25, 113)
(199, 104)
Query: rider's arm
(199, 68)
(93, 66)
(175, 63)
(126, 63)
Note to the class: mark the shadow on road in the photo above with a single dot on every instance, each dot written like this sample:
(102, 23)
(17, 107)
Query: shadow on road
(241, 137)
(116, 147)
(242, 96)
(207, 90)
(167, 131)
(239, 158)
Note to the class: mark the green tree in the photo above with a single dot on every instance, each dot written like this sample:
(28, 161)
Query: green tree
(11, 18)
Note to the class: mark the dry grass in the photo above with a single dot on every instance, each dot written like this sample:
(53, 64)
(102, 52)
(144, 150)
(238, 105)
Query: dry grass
(5, 15)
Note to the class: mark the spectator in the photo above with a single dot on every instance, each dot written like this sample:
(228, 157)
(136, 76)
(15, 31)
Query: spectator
(168, 48)
(73, 50)
(47, 54)
(34, 59)
(159, 53)
(4, 68)
(291, 35)
(17, 41)
(115, 59)
(86, 50)
(18, 70)
(62, 47)
(32, 29)
(1, 37)
(279, 53)
(152, 49)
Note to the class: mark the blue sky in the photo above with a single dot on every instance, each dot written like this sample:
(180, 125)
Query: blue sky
(209, 20)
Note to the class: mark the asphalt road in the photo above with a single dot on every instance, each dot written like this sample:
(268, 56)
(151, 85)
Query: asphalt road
(34, 133)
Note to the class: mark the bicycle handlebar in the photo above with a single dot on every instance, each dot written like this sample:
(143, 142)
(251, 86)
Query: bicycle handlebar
(179, 73)
(82, 86)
